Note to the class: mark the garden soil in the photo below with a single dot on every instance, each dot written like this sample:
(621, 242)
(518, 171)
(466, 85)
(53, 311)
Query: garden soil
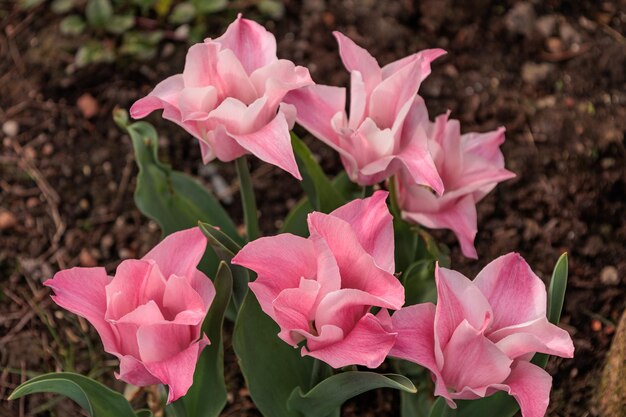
(553, 72)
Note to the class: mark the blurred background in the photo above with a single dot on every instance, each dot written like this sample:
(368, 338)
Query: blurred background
(552, 71)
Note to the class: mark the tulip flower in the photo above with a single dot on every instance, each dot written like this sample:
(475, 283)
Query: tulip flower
(481, 335)
(150, 313)
(378, 139)
(470, 166)
(230, 97)
(320, 289)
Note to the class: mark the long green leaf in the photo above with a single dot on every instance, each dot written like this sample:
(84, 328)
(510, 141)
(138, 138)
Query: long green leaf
(96, 399)
(226, 248)
(248, 201)
(325, 398)
(499, 404)
(271, 367)
(207, 395)
(172, 199)
(556, 296)
(322, 194)
(556, 291)
(295, 222)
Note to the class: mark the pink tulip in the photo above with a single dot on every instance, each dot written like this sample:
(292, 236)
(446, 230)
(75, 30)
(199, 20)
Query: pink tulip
(378, 138)
(320, 290)
(230, 97)
(481, 335)
(470, 166)
(150, 313)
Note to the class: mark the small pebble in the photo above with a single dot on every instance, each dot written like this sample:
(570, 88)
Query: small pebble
(86, 259)
(7, 220)
(10, 128)
(609, 275)
(88, 105)
(596, 326)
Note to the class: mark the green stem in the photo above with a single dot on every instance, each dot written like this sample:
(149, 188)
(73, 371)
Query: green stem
(247, 199)
(368, 190)
(393, 198)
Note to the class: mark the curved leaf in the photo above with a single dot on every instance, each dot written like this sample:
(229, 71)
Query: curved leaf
(325, 398)
(499, 404)
(95, 398)
(172, 199)
(556, 291)
(322, 194)
(271, 367)
(207, 395)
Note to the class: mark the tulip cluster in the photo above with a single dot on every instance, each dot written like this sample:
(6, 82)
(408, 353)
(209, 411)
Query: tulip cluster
(334, 295)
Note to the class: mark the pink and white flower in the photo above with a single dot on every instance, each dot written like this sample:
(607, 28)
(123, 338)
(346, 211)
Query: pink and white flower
(320, 289)
(481, 335)
(378, 138)
(470, 166)
(230, 97)
(150, 313)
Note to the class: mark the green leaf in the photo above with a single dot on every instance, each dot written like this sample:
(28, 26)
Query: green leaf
(207, 395)
(29, 4)
(172, 199)
(96, 399)
(272, 8)
(325, 398)
(248, 201)
(556, 291)
(72, 25)
(98, 12)
(226, 248)
(405, 242)
(419, 282)
(322, 194)
(556, 296)
(119, 24)
(499, 404)
(62, 6)
(94, 52)
(209, 6)
(144, 413)
(182, 13)
(271, 367)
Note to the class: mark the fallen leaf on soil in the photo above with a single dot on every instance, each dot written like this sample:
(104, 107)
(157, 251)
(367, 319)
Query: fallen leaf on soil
(611, 395)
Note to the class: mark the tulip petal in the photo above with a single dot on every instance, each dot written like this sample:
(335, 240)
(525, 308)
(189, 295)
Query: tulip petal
(367, 344)
(279, 261)
(357, 267)
(277, 79)
(134, 372)
(514, 292)
(344, 308)
(201, 66)
(160, 341)
(537, 336)
(392, 94)
(425, 58)
(177, 372)
(180, 297)
(458, 300)
(164, 96)
(419, 163)
(293, 308)
(179, 253)
(355, 58)
(253, 45)
(460, 217)
(316, 106)
(530, 385)
(472, 360)
(135, 283)
(272, 144)
(82, 291)
(372, 224)
(233, 78)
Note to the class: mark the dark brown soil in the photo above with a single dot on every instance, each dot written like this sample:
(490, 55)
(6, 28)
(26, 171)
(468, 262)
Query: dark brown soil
(553, 72)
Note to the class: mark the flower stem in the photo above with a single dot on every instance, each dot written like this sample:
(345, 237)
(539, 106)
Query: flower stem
(248, 201)
(393, 198)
